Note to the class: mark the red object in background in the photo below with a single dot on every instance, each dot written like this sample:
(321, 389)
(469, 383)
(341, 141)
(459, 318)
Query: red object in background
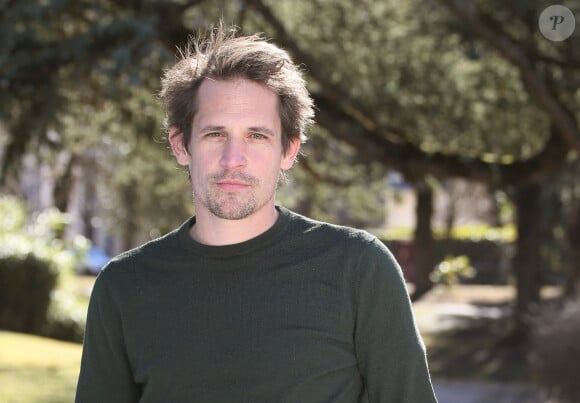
(404, 252)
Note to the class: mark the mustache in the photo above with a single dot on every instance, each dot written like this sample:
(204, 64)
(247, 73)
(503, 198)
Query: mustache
(234, 175)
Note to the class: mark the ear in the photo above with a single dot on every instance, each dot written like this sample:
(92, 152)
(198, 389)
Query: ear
(176, 142)
(290, 156)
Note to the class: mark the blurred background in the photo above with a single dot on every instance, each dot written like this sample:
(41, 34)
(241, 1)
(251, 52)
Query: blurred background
(447, 128)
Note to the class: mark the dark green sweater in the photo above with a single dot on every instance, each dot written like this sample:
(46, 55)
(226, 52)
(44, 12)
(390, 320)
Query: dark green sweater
(305, 312)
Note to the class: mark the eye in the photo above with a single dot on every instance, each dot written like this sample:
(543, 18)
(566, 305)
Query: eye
(257, 136)
(213, 134)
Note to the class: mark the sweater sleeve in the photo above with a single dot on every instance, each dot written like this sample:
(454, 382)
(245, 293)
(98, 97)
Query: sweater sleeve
(105, 373)
(390, 352)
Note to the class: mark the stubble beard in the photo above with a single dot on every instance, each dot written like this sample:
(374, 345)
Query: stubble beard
(231, 205)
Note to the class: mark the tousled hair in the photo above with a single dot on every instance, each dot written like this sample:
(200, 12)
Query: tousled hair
(222, 55)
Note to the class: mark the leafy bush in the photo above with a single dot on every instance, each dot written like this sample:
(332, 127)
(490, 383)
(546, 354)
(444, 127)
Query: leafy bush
(66, 318)
(26, 283)
(452, 269)
(554, 356)
(34, 260)
(505, 233)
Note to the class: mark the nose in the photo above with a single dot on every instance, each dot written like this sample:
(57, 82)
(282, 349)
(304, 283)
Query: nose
(233, 154)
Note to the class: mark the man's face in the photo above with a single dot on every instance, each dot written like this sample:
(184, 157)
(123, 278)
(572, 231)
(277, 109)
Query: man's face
(235, 153)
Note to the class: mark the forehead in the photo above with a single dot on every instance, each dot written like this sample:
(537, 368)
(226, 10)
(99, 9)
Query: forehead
(237, 97)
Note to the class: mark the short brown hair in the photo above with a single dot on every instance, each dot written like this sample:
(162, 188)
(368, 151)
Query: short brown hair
(222, 55)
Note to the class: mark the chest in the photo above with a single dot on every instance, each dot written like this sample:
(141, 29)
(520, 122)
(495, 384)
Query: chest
(262, 327)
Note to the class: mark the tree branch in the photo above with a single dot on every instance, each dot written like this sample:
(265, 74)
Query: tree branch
(307, 166)
(331, 90)
(387, 145)
(491, 32)
(415, 163)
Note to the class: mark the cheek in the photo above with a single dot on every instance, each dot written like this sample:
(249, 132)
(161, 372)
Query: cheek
(200, 166)
(274, 171)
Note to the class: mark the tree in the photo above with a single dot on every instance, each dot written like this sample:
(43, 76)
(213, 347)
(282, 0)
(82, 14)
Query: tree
(547, 72)
(409, 86)
(533, 149)
(78, 83)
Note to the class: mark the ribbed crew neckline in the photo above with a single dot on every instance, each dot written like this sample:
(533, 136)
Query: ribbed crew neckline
(237, 249)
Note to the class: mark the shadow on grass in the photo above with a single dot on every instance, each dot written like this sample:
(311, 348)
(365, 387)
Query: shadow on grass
(475, 349)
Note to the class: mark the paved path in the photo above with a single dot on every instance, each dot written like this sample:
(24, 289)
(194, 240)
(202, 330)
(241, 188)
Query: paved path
(477, 392)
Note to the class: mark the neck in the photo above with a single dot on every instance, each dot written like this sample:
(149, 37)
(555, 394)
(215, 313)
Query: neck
(212, 230)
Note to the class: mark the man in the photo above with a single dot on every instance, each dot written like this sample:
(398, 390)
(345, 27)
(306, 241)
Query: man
(248, 301)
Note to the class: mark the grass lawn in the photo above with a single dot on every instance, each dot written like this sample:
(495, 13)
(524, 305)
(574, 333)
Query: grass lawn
(36, 369)
(41, 370)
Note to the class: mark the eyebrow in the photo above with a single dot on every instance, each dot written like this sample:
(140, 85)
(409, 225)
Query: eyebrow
(212, 129)
(262, 129)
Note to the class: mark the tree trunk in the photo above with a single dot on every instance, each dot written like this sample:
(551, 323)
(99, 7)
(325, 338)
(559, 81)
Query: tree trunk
(90, 202)
(130, 201)
(450, 216)
(423, 241)
(528, 260)
(572, 285)
(63, 184)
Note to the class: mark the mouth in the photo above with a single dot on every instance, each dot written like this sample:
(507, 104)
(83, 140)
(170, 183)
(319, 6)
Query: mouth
(232, 185)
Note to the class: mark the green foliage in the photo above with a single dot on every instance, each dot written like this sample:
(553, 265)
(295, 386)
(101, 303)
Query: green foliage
(66, 317)
(331, 183)
(54, 48)
(26, 283)
(40, 239)
(89, 71)
(33, 262)
(404, 66)
(560, 196)
(505, 233)
(479, 232)
(125, 154)
(451, 270)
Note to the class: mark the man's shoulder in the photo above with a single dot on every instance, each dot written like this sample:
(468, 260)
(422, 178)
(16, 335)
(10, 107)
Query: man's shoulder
(163, 248)
(163, 245)
(310, 228)
(354, 248)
